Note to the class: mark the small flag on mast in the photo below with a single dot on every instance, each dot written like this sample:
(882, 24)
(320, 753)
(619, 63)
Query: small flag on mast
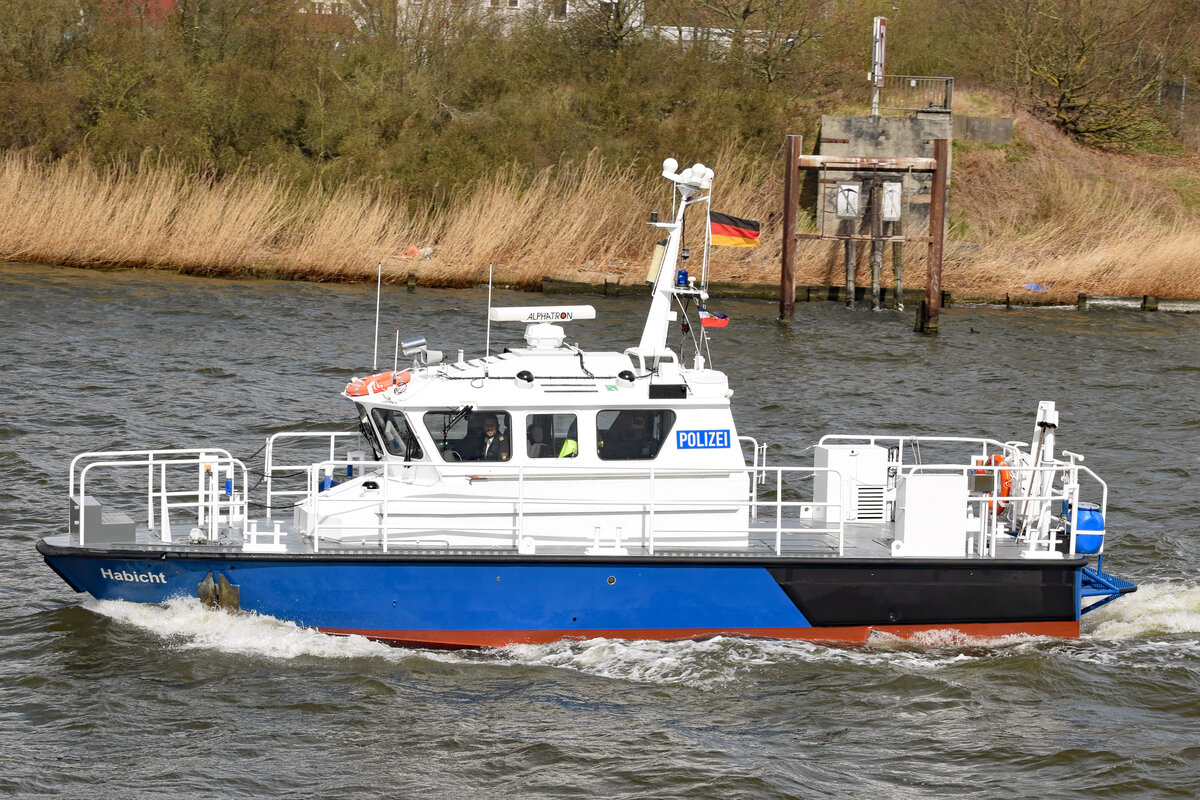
(711, 319)
(732, 231)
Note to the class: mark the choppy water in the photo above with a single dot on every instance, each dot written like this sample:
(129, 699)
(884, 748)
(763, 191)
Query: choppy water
(114, 699)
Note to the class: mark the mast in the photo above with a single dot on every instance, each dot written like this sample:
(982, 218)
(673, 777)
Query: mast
(690, 183)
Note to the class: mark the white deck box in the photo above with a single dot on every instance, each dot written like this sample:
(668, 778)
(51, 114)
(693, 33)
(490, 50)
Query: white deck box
(860, 492)
(931, 516)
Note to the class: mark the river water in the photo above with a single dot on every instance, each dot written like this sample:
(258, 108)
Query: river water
(113, 699)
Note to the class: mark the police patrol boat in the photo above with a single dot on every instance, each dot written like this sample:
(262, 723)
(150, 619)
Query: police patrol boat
(546, 493)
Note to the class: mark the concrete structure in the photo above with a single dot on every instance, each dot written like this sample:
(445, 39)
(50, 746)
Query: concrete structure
(993, 130)
(876, 137)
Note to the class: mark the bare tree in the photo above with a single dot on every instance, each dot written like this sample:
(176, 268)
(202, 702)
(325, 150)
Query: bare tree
(611, 24)
(767, 37)
(1089, 66)
(378, 17)
(35, 35)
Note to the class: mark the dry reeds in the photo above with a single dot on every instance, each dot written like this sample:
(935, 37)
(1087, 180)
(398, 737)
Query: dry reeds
(1050, 212)
(576, 221)
(161, 216)
(1041, 211)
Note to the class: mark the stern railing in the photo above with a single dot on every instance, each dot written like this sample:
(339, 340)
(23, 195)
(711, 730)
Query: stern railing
(1035, 524)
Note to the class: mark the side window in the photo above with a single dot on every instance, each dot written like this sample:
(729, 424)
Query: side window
(398, 438)
(632, 434)
(552, 436)
(471, 435)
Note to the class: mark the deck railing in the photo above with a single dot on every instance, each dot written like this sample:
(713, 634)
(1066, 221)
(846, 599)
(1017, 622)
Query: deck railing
(791, 510)
(215, 501)
(765, 502)
(1038, 503)
(272, 471)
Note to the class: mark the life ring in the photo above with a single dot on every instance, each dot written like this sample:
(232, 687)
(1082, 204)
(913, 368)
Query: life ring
(997, 460)
(360, 387)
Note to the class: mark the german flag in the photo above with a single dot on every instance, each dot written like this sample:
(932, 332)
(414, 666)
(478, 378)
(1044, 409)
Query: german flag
(731, 231)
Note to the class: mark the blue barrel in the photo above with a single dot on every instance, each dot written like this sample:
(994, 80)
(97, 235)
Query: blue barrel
(1089, 535)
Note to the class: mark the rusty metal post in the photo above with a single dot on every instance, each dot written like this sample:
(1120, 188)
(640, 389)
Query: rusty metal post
(851, 265)
(876, 243)
(791, 205)
(931, 308)
(898, 264)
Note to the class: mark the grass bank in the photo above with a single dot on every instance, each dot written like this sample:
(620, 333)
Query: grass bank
(1040, 210)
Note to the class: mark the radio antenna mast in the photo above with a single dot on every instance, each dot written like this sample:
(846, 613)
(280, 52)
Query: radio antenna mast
(378, 292)
(487, 345)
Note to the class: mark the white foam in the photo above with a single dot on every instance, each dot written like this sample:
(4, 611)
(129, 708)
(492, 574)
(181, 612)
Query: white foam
(714, 663)
(708, 663)
(1155, 609)
(186, 623)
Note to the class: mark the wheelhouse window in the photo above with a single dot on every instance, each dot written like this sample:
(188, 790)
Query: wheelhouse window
(632, 434)
(552, 436)
(398, 438)
(471, 434)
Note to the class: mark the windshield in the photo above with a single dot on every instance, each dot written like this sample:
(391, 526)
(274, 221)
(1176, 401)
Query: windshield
(398, 437)
(470, 434)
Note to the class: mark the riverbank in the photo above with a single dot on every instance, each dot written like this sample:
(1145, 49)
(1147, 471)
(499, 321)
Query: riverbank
(1038, 220)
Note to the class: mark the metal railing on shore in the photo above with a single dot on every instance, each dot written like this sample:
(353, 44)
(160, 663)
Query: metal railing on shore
(916, 93)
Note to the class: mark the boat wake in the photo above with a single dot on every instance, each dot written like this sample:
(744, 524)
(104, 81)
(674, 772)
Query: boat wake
(708, 664)
(722, 661)
(187, 624)
(1155, 610)
(704, 664)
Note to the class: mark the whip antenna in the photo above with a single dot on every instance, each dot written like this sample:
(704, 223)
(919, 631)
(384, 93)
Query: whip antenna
(487, 345)
(378, 292)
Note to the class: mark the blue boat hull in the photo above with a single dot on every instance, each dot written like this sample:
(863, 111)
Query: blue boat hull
(473, 602)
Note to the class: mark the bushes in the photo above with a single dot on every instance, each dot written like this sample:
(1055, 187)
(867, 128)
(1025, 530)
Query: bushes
(448, 95)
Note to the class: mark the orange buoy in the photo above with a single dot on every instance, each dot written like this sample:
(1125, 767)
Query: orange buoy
(361, 387)
(997, 460)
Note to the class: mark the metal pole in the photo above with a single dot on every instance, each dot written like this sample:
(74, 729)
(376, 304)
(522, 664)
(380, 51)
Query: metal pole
(378, 295)
(931, 308)
(898, 265)
(791, 201)
(851, 258)
(876, 244)
(878, 53)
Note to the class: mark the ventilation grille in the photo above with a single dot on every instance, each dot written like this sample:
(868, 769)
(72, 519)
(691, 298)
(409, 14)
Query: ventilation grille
(868, 503)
